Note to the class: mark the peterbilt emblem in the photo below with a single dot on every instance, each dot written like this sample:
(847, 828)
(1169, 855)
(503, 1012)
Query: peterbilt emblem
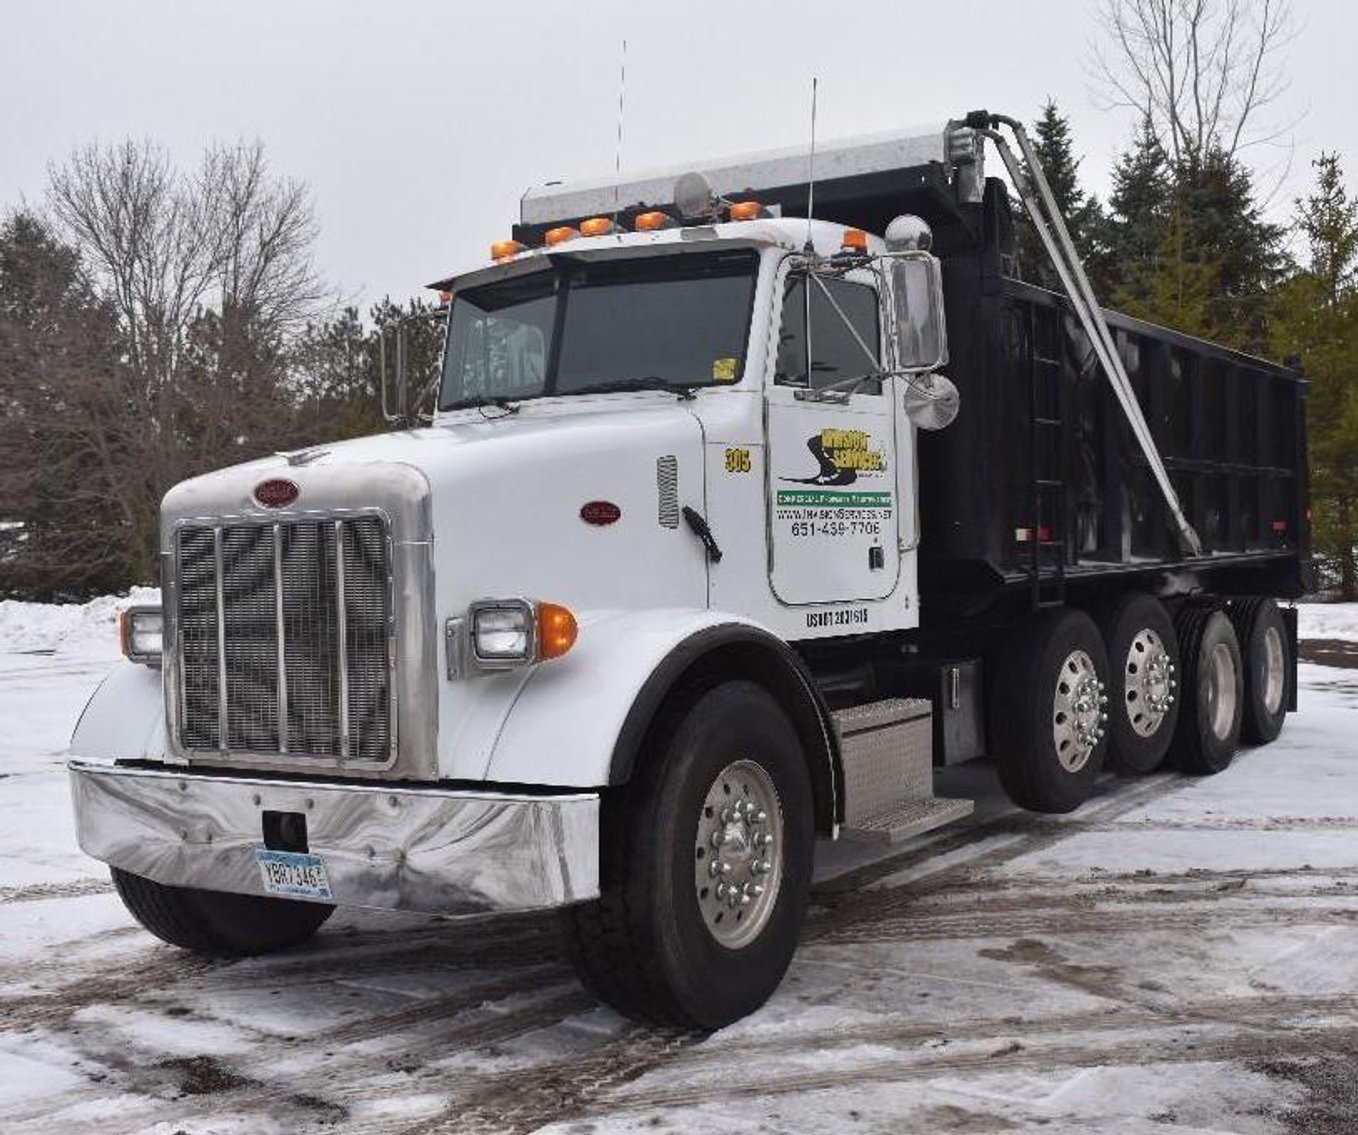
(277, 492)
(600, 512)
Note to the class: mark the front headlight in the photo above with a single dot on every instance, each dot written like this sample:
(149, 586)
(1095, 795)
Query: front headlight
(503, 632)
(140, 634)
(499, 634)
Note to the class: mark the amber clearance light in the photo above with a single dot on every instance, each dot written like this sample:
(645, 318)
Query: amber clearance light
(559, 235)
(745, 210)
(557, 630)
(654, 220)
(855, 239)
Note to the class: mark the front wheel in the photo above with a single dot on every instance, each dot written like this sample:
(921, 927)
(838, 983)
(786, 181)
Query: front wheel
(705, 866)
(215, 923)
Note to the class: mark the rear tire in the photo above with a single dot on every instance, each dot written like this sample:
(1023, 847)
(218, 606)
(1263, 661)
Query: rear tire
(662, 943)
(217, 924)
(1143, 701)
(1048, 715)
(1266, 662)
(1208, 733)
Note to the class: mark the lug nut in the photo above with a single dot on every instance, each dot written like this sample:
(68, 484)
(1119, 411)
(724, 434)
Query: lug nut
(760, 866)
(718, 838)
(756, 889)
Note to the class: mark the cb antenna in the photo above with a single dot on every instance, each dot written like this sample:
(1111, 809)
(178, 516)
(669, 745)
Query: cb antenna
(811, 169)
(617, 155)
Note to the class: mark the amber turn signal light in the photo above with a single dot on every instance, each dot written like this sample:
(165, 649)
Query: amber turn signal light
(556, 630)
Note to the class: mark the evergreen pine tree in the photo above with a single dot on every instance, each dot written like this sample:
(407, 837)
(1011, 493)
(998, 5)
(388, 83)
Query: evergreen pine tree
(1080, 211)
(1315, 317)
(1139, 219)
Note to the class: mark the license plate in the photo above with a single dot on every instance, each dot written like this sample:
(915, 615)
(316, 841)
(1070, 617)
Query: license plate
(294, 874)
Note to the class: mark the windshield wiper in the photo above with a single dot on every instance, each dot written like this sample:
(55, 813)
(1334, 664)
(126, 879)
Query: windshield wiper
(648, 382)
(481, 401)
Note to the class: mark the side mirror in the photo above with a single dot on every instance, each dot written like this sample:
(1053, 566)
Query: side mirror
(920, 334)
(399, 410)
(395, 413)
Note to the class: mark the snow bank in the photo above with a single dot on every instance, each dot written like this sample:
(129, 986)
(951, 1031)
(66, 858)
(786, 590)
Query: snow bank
(1328, 620)
(83, 629)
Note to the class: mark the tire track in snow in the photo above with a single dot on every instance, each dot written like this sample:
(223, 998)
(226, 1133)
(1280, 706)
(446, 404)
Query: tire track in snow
(36, 892)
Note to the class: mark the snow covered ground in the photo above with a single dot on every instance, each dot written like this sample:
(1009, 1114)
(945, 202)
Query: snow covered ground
(1178, 955)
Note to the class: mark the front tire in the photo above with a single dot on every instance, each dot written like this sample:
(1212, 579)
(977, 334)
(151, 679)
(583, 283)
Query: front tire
(1048, 715)
(217, 924)
(705, 866)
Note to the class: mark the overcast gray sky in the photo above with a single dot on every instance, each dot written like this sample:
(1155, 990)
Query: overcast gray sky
(418, 126)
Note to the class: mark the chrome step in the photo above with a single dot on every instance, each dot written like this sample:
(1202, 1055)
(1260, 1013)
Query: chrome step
(887, 751)
(908, 820)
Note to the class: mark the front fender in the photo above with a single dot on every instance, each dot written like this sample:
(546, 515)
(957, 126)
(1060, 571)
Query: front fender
(566, 719)
(124, 718)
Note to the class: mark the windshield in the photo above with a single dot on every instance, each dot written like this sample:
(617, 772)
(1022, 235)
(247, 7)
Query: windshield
(673, 321)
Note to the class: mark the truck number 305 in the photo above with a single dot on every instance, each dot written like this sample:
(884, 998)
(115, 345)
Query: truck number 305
(737, 460)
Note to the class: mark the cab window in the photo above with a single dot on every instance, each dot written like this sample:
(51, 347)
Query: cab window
(835, 355)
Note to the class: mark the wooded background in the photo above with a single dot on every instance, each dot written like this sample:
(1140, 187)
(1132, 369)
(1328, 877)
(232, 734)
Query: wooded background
(159, 322)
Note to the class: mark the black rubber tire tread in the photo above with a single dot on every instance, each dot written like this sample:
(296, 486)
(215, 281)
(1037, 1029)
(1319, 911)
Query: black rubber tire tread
(1252, 616)
(217, 924)
(1129, 753)
(1196, 750)
(1020, 724)
(618, 942)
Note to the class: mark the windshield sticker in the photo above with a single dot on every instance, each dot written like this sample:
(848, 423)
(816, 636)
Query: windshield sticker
(724, 370)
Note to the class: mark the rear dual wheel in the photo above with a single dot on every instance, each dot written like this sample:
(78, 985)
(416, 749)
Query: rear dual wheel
(1208, 732)
(1143, 658)
(1266, 659)
(1049, 711)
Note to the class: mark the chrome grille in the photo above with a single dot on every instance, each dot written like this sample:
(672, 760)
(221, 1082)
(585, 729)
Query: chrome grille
(284, 638)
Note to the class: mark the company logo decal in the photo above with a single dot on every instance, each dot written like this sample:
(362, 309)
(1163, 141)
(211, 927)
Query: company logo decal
(843, 457)
(277, 492)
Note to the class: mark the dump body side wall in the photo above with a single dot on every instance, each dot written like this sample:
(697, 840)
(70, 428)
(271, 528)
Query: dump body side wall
(1231, 430)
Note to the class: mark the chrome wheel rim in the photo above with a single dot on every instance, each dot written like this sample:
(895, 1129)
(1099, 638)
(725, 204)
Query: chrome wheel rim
(1078, 715)
(1148, 683)
(1274, 670)
(1220, 691)
(738, 854)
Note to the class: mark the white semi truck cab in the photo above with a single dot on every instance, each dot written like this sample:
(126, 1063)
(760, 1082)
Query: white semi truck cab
(642, 613)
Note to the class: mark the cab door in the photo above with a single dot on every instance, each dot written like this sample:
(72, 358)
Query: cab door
(832, 487)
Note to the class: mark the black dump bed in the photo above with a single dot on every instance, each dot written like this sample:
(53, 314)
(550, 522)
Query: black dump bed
(1041, 475)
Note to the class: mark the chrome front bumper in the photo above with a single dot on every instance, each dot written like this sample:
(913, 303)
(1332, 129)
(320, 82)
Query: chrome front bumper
(392, 847)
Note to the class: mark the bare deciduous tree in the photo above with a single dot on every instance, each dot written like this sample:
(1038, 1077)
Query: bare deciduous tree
(210, 279)
(1202, 72)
